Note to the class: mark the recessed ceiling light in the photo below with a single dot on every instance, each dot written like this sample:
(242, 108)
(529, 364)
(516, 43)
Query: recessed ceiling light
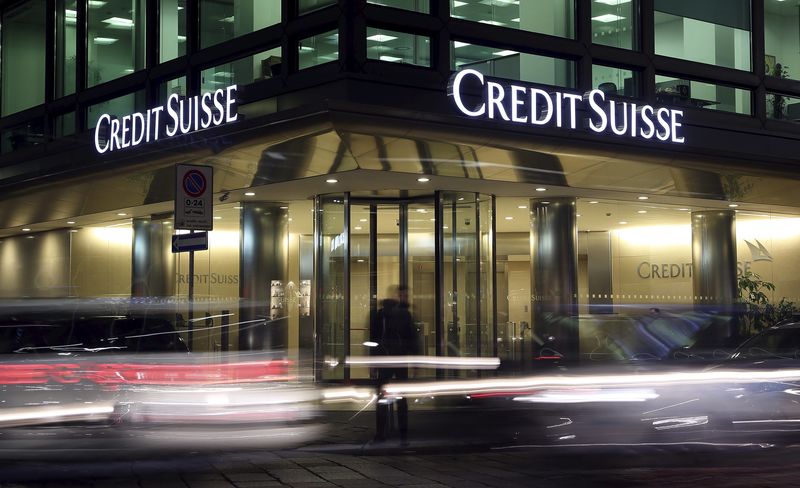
(217, 217)
(390, 59)
(381, 38)
(445, 227)
(73, 230)
(119, 22)
(31, 237)
(733, 205)
(249, 194)
(545, 203)
(166, 222)
(122, 214)
(622, 222)
(283, 207)
(577, 215)
(421, 210)
(460, 199)
(360, 260)
(643, 197)
(606, 18)
(684, 209)
(509, 218)
(458, 44)
(594, 201)
(457, 3)
(70, 221)
(433, 220)
(105, 40)
(358, 227)
(26, 229)
(505, 52)
(541, 189)
(331, 180)
(423, 179)
(616, 2)
(522, 206)
(362, 220)
(641, 211)
(491, 22)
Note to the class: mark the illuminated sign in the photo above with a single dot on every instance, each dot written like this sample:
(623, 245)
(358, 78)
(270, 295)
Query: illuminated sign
(178, 116)
(520, 104)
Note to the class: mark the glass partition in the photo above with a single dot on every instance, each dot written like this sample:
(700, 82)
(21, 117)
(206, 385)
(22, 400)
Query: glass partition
(333, 329)
(615, 81)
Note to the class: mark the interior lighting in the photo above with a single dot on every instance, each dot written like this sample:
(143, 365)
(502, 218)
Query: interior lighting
(119, 22)
(70, 221)
(26, 229)
(641, 211)
(541, 189)
(458, 44)
(733, 205)
(96, 3)
(381, 38)
(618, 2)
(622, 222)
(331, 180)
(594, 201)
(643, 197)
(522, 207)
(122, 214)
(105, 41)
(390, 59)
(509, 218)
(491, 22)
(606, 18)
(457, 3)
(423, 179)
(505, 52)
(217, 217)
(249, 194)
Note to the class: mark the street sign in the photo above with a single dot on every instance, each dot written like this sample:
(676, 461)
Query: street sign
(194, 188)
(197, 241)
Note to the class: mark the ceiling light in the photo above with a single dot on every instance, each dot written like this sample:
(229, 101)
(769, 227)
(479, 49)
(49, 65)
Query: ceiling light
(249, 194)
(457, 3)
(522, 207)
(70, 14)
(71, 230)
(445, 227)
(491, 22)
(515, 20)
(228, 20)
(505, 52)
(622, 222)
(458, 44)
(166, 222)
(381, 38)
(684, 209)
(608, 18)
(460, 199)
(545, 203)
(358, 227)
(577, 215)
(642, 211)
(594, 201)
(390, 59)
(96, 3)
(615, 2)
(284, 207)
(643, 197)
(122, 214)
(421, 210)
(26, 229)
(362, 220)
(733, 205)
(217, 217)
(105, 40)
(423, 179)
(331, 180)
(509, 218)
(31, 237)
(119, 22)
(360, 260)
(541, 189)
(181, 38)
(70, 221)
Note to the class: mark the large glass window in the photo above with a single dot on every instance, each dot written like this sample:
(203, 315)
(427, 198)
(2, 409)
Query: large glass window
(782, 39)
(614, 23)
(175, 86)
(116, 40)
(306, 6)
(615, 81)
(553, 17)
(116, 107)
(319, 49)
(173, 29)
(504, 63)
(783, 107)
(415, 5)
(222, 20)
(697, 94)
(23, 56)
(712, 31)
(398, 47)
(242, 71)
(21, 136)
(66, 20)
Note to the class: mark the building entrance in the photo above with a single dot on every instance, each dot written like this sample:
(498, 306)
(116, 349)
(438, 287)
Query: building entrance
(440, 246)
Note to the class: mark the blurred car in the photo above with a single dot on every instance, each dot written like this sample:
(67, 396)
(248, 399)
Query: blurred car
(75, 379)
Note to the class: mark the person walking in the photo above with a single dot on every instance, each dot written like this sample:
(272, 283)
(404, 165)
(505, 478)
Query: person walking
(394, 334)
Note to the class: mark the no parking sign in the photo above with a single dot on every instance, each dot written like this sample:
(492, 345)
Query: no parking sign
(194, 187)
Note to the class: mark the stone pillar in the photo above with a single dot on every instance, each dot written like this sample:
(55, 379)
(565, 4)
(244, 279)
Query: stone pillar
(714, 257)
(263, 273)
(153, 264)
(554, 276)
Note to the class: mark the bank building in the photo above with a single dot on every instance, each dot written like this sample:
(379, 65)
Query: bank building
(533, 171)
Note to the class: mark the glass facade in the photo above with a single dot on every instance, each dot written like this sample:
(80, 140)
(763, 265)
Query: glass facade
(414, 5)
(319, 49)
(119, 107)
(242, 71)
(615, 23)
(116, 44)
(552, 17)
(506, 63)
(615, 81)
(698, 94)
(306, 6)
(722, 27)
(782, 39)
(65, 58)
(398, 47)
(223, 20)
(23, 58)
(172, 29)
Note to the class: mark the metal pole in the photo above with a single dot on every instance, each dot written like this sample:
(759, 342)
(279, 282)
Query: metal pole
(191, 295)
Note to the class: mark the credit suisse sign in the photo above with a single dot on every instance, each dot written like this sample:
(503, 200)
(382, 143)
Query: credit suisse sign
(520, 104)
(177, 117)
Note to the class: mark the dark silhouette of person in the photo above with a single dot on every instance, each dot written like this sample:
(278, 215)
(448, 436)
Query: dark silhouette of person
(394, 334)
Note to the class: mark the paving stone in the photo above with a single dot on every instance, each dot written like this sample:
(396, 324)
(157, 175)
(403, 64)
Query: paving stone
(293, 476)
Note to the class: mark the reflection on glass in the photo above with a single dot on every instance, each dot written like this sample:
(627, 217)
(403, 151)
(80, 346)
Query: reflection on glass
(783, 107)
(24, 135)
(176, 86)
(697, 94)
(242, 71)
(319, 49)
(782, 39)
(421, 275)
(360, 282)
(64, 125)
(116, 107)
(222, 20)
(23, 56)
(398, 47)
(116, 43)
(553, 17)
(615, 81)
(173, 29)
(486, 318)
(66, 20)
(504, 63)
(331, 275)
(415, 5)
(712, 31)
(613, 23)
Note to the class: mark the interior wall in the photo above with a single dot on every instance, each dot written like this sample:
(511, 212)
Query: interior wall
(35, 266)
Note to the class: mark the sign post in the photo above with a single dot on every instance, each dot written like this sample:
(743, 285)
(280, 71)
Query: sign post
(194, 187)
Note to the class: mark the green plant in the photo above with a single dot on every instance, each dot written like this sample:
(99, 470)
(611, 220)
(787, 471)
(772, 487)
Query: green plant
(779, 101)
(759, 313)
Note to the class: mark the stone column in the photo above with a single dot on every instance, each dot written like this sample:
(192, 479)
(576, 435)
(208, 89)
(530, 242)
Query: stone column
(714, 257)
(153, 264)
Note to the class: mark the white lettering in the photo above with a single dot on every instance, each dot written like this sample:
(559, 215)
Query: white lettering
(548, 112)
(601, 114)
(156, 111)
(97, 132)
(676, 114)
(664, 123)
(173, 113)
(229, 115)
(496, 93)
(206, 110)
(615, 127)
(516, 91)
(454, 90)
(218, 105)
(125, 130)
(115, 133)
(648, 122)
(137, 129)
(572, 114)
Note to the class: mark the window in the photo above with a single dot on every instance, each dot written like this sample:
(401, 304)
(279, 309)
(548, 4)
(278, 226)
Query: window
(21, 136)
(306, 6)
(615, 81)
(697, 94)
(173, 29)
(783, 107)
(116, 40)
(66, 21)
(553, 17)
(23, 56)
(222, 20)
(504, 63)
(242, 71)
(64, 125)
(398, 47)
(614, 23)
(415, 5)
(712, 31)
(116, 107)
(319, 49)
(782, 39)
(175, 86)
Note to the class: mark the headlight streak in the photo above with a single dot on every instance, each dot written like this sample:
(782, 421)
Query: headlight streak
(424, 361)
(589, 395)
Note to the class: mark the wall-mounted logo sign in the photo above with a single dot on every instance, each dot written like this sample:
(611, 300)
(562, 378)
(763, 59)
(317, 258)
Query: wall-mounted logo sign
(758, 252)
(522, 104)
(178, 116)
